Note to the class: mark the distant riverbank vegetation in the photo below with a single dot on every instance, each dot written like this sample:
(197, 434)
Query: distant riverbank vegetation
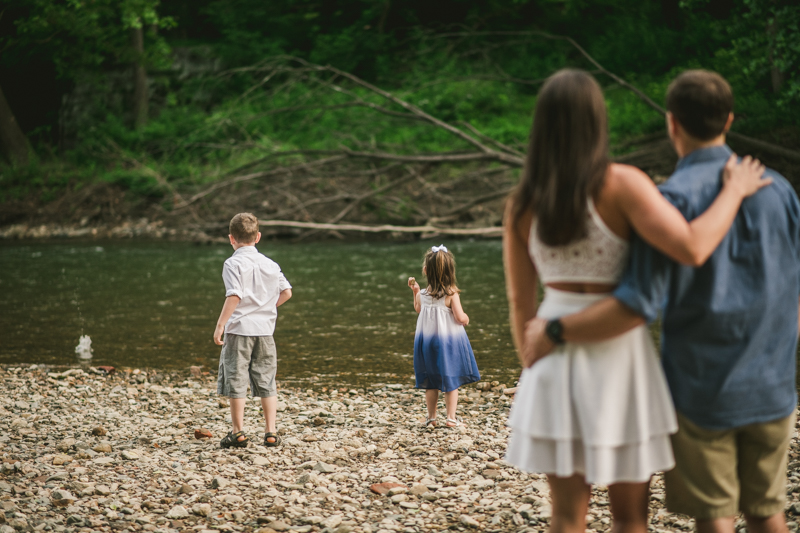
(369, 111)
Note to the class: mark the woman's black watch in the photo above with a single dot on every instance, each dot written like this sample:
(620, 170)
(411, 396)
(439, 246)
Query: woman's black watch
(554, 331)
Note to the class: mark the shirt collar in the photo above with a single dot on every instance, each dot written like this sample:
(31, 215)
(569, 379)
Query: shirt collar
(245, 250)
(705, 155)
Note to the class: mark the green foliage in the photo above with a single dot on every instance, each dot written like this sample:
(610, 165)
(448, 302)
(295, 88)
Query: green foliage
(83, 34)
(761, 46)
(463, 61)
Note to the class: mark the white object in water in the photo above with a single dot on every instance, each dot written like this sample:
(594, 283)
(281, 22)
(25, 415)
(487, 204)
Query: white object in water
(84, 347)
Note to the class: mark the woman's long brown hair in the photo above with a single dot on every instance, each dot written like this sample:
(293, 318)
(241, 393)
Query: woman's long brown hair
(567, 157)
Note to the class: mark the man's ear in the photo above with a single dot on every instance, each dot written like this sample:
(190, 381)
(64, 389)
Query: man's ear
(673, 126)
(233, 241)
(258, 237)
(728, 123)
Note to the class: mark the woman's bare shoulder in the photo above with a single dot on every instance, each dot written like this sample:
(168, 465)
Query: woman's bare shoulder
(622, 180)
(620, 174)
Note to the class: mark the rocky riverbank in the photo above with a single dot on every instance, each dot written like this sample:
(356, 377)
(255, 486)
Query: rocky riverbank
(139, 229)
(85, 450)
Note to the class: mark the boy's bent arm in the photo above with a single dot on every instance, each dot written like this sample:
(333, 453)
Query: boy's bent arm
(227, 310)
(284, 296)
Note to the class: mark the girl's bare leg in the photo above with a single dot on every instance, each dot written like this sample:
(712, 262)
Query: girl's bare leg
(629, 506)
(431, 399)
(570, 497)
(450, 403)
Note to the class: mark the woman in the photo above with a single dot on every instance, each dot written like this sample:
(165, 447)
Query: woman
(594, 413)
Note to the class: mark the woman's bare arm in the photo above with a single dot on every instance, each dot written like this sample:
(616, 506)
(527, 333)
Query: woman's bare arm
(660, 224)
(521, 276)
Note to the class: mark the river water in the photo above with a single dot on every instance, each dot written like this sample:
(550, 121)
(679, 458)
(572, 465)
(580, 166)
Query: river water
(155, 305)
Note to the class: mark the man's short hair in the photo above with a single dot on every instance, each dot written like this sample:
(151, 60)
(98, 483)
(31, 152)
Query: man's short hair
(701, 101)
(244, 228)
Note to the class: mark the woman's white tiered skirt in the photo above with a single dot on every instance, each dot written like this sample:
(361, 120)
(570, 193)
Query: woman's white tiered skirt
(599, 409)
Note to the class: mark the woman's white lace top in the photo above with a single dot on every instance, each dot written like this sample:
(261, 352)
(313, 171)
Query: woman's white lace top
(600, 257)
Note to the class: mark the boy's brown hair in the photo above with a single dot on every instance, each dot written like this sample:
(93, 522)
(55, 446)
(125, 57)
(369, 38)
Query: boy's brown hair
(440, 269)
(244, 228)
(701, 101)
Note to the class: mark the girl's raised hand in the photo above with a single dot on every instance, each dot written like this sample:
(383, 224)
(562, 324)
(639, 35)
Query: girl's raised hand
(412, 283)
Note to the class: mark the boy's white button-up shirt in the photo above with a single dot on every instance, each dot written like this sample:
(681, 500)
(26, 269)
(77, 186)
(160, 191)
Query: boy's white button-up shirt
(258, 281)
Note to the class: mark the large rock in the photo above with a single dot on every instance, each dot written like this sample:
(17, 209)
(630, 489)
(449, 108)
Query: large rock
(178, 512)
(62, 497)
(384, 488)
(66, 444)
(219, 483)
(332, 521)
(131, 455)
(469, 521)
(201, 509)
(324, 468)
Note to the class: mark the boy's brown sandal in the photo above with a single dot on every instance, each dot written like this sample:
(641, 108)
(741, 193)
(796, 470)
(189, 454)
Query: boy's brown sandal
(232, 440)
(274, 443)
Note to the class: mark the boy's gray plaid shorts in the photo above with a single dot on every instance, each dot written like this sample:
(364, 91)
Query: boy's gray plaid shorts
(244, 360)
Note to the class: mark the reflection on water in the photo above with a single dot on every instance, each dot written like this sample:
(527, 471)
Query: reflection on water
(155, 305)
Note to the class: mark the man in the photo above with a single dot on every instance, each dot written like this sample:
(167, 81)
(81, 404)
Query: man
(729, 327)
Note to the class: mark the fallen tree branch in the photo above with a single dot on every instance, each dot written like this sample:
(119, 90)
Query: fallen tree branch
(315, 201)
(492, 155)
(358, 201)
(763, 145)
(355, 103)
(494, 231)
(477, 201)
(256, 175)
(402, 103)
(497, 143)
(766, 146)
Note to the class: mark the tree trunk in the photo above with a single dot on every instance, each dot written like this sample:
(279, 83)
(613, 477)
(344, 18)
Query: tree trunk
(13, 143)
(775, 73)
(140, 97)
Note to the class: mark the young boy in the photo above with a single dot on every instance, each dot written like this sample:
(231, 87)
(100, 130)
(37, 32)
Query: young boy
(254, 288)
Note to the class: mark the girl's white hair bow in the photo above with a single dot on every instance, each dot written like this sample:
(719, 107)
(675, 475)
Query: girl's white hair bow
(440, 248)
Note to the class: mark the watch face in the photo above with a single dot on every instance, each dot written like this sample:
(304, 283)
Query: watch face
(554, 331)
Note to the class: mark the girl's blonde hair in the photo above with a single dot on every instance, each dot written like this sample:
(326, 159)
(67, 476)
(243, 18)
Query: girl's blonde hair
(440, 269)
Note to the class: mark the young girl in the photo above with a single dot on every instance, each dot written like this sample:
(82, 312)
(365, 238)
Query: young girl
(443, 358)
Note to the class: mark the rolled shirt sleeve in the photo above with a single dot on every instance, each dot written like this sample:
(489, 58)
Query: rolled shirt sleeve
(283, 283)
(644, 286)
(233, 283)
(645, 282)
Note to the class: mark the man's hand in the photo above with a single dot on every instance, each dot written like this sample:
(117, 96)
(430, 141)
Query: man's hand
(218, 331)
(537, 343)
(745, 176)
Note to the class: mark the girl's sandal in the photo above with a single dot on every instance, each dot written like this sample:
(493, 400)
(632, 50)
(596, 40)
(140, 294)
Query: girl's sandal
(232, 440)
(429, 422)
(275, 442)
(453, 422)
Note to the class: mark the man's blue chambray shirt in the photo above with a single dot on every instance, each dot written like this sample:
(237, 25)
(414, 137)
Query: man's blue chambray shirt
(729, 333)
